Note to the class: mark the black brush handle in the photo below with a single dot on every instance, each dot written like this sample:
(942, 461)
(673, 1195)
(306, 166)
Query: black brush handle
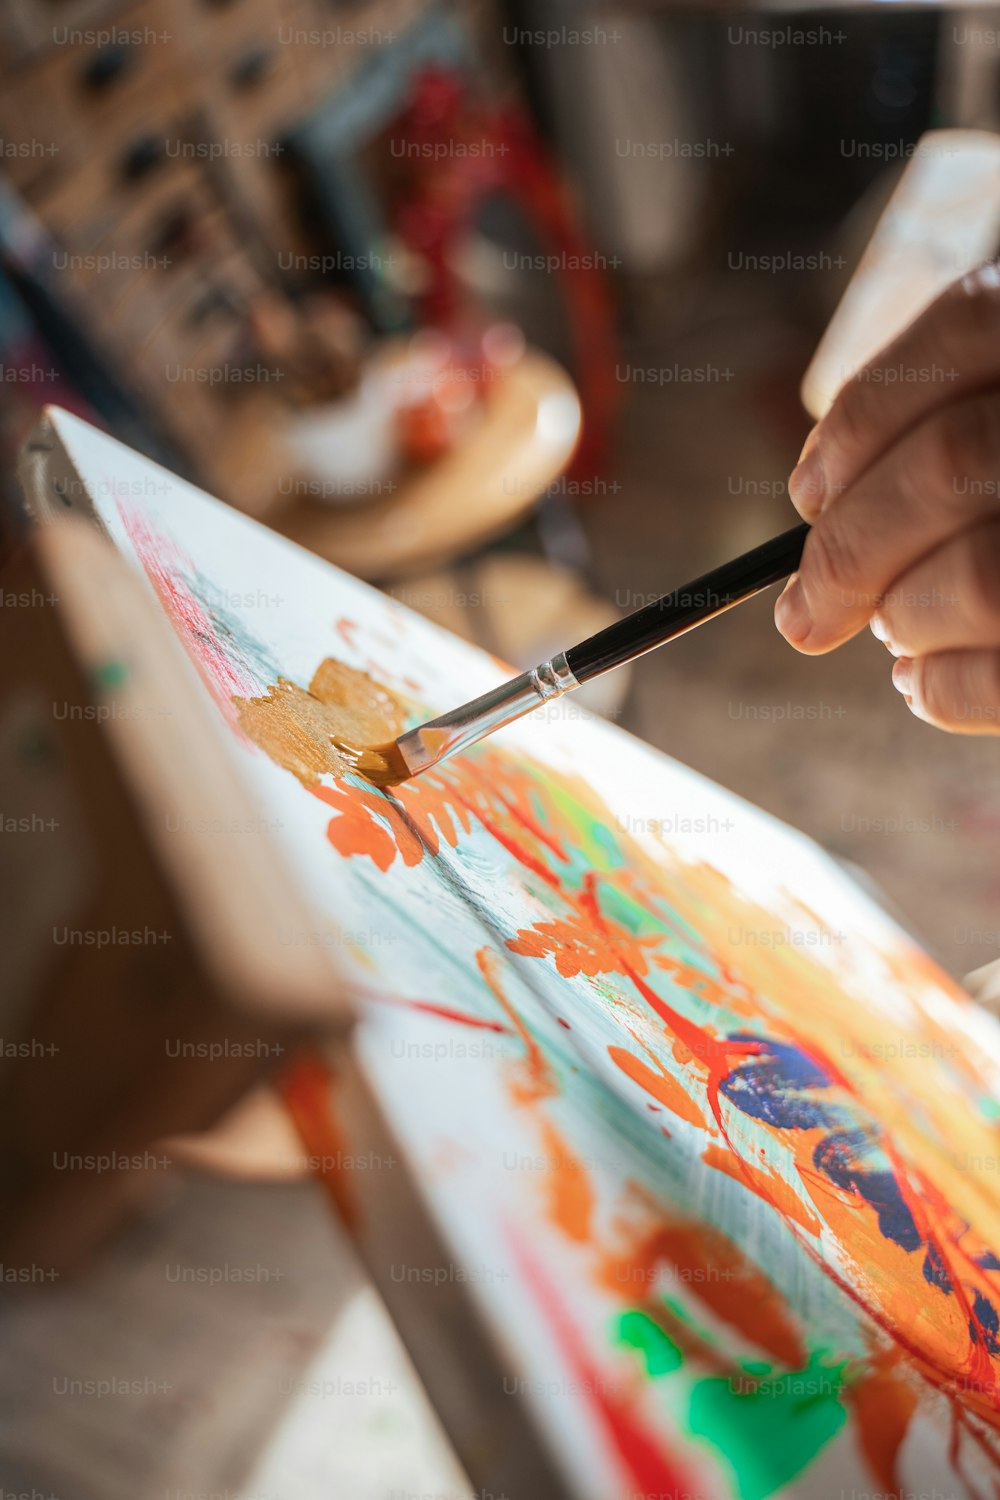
(689, 606)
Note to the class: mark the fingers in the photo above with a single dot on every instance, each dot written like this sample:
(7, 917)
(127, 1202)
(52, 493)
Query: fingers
(949, 351)
(950, 599)
(940, 478)
(954, 690)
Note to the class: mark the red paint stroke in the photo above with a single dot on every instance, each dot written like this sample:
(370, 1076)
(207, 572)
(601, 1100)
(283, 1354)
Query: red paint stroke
(432, 1008)
(511, 844)
(652, 1471)
(717, 1055)
(165, 563)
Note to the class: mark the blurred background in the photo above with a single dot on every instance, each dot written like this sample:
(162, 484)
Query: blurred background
(504, 308)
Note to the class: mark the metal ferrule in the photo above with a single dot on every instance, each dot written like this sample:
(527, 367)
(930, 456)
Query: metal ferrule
(454, 731)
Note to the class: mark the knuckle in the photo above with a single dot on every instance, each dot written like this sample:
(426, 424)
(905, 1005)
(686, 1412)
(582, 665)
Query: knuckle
(937, 686)
(970, 311)
(962, 440)
(960, 689)
(981, 571)
(853, 418)
(832, 563)
(981, 681)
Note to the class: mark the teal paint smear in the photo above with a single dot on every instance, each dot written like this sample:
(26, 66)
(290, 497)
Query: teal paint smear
(598, 848)
(607, 841)
(660, 1354)
(769, 1431)
(629, 913)
(240, 644)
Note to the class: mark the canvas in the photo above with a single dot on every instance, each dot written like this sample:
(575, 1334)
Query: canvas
(711, 1144)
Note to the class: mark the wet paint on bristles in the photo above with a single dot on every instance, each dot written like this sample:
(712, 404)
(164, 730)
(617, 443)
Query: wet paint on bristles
(382, 765)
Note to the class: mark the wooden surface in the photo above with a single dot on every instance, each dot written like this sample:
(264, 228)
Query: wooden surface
(265, 1367)
(524, 441)
(143, 949)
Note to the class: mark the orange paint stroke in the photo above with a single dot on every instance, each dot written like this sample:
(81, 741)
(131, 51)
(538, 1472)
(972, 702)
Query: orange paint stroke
(577, 948)
(306, 1089)
(671, 1094)
(713, 1269)
(765, 1184)
(571, 1196)
(361, 827)
(538, 1081)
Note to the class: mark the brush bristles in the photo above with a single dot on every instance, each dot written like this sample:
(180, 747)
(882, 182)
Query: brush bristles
(382, 765)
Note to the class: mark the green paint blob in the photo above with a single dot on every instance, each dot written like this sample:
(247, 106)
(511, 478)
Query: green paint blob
(659, 1352)
(769, 1428)
(111, 674)
(598, 848)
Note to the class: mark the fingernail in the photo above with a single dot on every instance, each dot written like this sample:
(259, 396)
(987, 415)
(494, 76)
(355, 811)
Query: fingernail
(902, 676)
(879, 631)
(807, 485)
(791, 613)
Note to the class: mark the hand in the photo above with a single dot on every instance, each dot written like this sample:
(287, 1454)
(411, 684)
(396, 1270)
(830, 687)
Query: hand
(901, 480)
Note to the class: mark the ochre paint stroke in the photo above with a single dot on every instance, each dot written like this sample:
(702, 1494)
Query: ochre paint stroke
(766, 1185)
(307, 1088)
(652, 1469)
(671, 1094)
(306, 732)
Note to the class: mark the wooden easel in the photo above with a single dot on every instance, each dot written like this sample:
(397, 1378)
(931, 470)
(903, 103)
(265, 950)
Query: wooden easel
(145, 986)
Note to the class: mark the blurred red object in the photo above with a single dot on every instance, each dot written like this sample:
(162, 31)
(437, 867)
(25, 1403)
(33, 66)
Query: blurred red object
(457, 152)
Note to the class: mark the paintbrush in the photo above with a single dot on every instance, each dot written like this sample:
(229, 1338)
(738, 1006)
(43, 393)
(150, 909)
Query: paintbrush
(645, 629)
